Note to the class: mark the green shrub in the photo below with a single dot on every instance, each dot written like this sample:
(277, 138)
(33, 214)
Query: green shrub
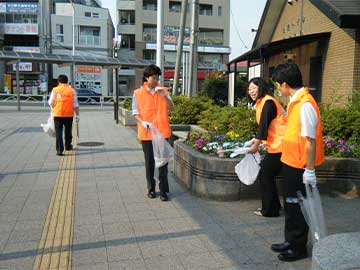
(127, 104)
(341, 123)
(216, 88)
(187, 110)
(221, 120)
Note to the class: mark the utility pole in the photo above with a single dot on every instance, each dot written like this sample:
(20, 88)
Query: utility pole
(160, 38)
(193, 48)
(301, 17)
(72, 69)
(180, 43)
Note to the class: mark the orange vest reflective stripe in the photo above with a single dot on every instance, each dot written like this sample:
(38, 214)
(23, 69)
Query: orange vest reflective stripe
(153, 109)
(277, 126)
(294, 152)
(63, 104)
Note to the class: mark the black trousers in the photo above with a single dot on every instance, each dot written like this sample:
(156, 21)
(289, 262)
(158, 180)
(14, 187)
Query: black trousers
(270, 167)
(296, 228)
(60, 123)
(150, 169)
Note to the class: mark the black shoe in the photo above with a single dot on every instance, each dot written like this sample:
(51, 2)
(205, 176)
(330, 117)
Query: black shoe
(291, 255)
(280, 247)
(59, 154)
(164, 197)
(69, 148)
(151, 194)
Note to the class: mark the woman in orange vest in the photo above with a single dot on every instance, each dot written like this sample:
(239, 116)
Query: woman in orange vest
(151, 106)
(272, 123)
(303, 150)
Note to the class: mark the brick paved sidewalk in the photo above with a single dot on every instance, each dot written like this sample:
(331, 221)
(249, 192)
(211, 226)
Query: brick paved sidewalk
(113, 224)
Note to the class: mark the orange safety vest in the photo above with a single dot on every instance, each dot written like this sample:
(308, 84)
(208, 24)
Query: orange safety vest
(63, 104)
(153, 109)
(277, 126)
(294, 152)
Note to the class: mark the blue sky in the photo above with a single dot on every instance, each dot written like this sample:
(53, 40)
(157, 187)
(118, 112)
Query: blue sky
(245, 14)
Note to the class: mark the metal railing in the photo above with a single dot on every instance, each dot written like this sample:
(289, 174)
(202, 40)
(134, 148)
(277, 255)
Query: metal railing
(42, 99)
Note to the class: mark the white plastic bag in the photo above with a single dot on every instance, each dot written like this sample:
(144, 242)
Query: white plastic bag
(312, 210)
(49, 127)
(248, 168)
(163, 151)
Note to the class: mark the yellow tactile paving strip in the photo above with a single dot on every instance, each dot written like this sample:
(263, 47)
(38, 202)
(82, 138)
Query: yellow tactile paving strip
(54, 250)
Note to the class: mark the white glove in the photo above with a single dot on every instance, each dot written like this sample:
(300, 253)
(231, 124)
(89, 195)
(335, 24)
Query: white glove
(309, 177)
(146, 124)
(77, 118)
(248, 143)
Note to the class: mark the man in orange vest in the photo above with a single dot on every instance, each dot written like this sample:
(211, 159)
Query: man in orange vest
(151, 106)
(63, 101)
(302, 151)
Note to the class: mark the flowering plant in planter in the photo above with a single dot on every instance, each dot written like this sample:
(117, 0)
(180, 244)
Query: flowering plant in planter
(215, 144)
(338, 147)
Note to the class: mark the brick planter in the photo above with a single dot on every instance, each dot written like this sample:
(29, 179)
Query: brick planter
(215, 178)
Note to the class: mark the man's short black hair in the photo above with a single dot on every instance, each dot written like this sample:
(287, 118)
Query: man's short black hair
(150, 71)
(62, 78)
(264, 88)
(289, 73)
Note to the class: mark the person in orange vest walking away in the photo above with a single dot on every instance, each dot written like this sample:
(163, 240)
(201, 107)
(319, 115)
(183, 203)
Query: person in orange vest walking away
(63, 102)
(302, 151)
(151, 105)
(271, 119)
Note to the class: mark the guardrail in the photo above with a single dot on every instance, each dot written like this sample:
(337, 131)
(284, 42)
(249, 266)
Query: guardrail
(42, 99)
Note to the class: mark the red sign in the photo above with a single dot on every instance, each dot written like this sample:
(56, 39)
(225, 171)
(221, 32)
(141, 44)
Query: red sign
(88, 69)
(171, 74)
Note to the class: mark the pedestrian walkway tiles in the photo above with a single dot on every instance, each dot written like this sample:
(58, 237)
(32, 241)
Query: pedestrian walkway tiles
(54, 247)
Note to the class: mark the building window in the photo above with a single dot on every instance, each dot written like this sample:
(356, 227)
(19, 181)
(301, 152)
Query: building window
(127, 16)
(219, 11)
(211, 37)
(150, 4)
(210, 58)
(127, 42)
(91, 15)
(149, 54)
(89, 35)
(19, 18)
(60, 33)
(205, 10)
(174, 6)
(149, 32)
(170, 57)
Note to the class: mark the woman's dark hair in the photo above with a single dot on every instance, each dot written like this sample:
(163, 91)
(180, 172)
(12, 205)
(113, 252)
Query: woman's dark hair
(62, 79)
(289, 73)
(150, 71)
(264, 88)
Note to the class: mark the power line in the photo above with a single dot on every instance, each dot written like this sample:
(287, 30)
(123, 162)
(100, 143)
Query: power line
(237, 30)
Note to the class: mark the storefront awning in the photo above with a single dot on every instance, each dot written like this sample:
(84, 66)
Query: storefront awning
(276, 47)
(93, 60)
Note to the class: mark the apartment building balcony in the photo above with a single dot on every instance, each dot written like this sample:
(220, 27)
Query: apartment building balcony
(126, 4)
(126, 29)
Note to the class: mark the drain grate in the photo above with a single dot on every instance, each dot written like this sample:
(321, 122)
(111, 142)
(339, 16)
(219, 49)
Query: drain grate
(90, 144)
